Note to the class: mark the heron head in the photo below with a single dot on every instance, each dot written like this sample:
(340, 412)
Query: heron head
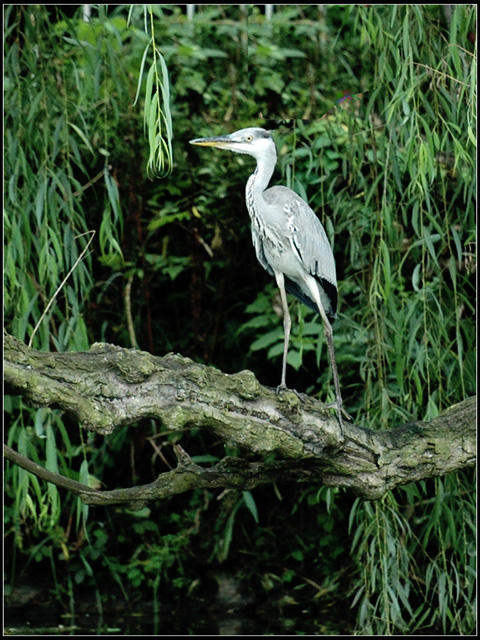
(253, 141)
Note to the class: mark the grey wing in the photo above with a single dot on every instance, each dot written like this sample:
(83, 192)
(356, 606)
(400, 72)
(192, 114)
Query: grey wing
(309, 242)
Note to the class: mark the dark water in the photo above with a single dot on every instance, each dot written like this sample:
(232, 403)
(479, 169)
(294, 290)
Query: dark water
(40, 620)
(30, 609)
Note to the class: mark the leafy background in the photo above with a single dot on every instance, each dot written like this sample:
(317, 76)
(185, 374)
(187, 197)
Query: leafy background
(390, 171)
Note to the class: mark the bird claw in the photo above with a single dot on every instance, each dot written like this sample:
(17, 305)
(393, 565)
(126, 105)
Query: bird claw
(283, 387)
(338, 406)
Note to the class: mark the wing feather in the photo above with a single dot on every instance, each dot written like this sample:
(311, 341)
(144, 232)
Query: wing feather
(309, 242)
(258, 244)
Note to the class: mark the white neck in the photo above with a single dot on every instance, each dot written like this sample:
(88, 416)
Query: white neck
(258, 182)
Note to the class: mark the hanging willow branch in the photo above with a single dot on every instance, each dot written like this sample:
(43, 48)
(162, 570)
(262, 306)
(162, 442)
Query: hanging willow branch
(156, 115)
(109, 386)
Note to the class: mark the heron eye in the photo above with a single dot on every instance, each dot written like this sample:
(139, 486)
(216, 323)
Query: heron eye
(249, 138)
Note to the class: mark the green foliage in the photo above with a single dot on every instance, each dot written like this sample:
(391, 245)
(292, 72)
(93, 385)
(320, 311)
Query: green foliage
(53, 144)
(157, 118)
(303, 59)
(95, 250)
(393, 541)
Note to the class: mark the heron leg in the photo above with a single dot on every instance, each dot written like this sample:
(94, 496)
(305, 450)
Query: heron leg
(328, 333)
(287, 325)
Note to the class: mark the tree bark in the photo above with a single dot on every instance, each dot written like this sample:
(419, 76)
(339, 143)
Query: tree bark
(110, 386)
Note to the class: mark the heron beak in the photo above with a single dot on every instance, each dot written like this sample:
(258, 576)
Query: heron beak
(219, 142)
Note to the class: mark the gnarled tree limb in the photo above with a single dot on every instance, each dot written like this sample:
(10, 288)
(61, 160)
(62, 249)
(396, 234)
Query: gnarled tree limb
(109, 386)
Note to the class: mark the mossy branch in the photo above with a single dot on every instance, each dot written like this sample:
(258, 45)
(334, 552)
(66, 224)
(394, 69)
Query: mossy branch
(110, 386)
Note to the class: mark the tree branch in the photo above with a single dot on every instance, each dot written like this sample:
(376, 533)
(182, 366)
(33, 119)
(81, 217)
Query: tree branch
(109, 386)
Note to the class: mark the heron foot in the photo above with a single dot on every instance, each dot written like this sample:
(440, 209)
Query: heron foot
(283, 387)
(339, 407)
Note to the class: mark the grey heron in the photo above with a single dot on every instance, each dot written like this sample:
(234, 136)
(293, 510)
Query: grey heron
(290, 241)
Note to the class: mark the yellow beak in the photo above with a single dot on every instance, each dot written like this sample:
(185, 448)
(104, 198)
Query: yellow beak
(219, 142)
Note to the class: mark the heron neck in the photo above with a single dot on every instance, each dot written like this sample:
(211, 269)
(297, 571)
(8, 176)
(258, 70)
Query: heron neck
(258, 182)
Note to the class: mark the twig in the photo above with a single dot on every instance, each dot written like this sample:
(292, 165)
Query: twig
(419, 64)
(92, 181)
(128, 311)
(52, 300)
(45, 474)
